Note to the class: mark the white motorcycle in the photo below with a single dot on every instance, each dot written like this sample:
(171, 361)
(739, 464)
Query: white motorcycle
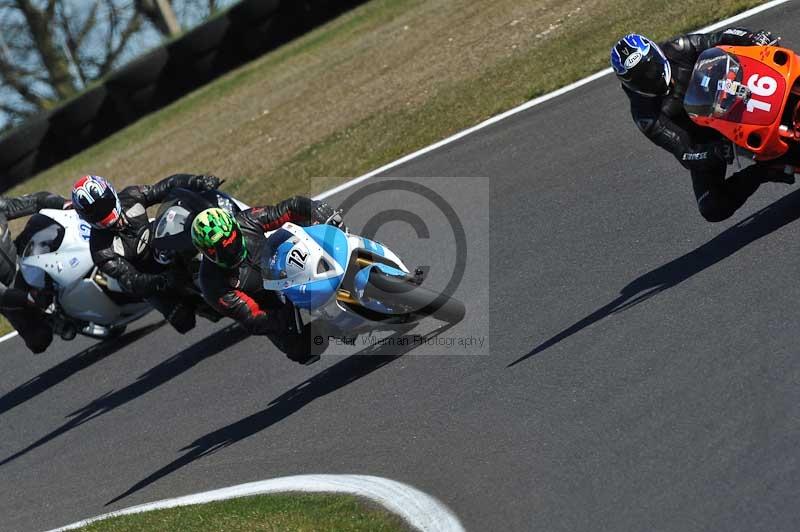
(56, 258)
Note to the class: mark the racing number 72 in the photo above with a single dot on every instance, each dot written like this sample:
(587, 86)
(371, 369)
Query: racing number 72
(298, 258)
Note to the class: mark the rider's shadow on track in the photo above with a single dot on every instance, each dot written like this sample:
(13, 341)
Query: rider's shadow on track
(771, 218)
(156, 376)
(328, 380)
(69, 367)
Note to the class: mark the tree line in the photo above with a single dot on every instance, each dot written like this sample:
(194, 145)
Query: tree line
(52, 49)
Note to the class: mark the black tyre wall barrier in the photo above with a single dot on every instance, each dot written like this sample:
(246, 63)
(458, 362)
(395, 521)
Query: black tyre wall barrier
(79, 111)
(128, 89)
(20, 170)
(249, 12)
(140, 72)
(24, 139)
(199, 41)
(69, 131)
(156, 79)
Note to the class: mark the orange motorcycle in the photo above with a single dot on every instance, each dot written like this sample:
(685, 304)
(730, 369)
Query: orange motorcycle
(750, 94)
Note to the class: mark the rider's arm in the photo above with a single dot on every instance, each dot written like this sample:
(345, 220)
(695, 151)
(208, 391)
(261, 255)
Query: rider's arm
(130, 279)
(26, 205)
(234, 303)
(299, 210)
(12, 298)
(667, 134)
(154, 194)
(695, 43)
(658, 127)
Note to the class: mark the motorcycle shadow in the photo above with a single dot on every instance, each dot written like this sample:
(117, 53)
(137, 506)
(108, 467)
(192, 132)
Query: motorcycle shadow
(326, 381)
(769, 219)
(156, 376)
(69, 367)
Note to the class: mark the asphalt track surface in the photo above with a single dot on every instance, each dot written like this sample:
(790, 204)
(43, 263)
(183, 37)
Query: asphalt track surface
(642, 375)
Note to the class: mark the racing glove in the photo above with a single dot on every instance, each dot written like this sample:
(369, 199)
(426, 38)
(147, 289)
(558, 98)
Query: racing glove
(762, 38)
(40, 298)
(325, 214)
(164, 281)
(204, 182)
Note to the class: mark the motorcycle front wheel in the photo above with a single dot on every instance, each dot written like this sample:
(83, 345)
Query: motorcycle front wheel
(404, 296)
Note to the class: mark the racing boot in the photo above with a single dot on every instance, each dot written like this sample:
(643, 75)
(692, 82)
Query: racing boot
(777, 174)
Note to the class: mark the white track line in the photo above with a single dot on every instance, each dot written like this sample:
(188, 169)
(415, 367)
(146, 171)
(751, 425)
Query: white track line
(527, 105)
(8, 336)
(419, 509)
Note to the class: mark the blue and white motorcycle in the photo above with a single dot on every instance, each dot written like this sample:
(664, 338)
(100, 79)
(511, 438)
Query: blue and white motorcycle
(350, 282)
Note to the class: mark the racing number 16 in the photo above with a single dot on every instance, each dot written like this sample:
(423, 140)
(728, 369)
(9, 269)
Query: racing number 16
(760, 86)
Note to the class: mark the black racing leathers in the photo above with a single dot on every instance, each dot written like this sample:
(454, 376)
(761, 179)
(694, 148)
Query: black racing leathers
(699, 149)
(126, 255)
(239, 294)
(30, 322)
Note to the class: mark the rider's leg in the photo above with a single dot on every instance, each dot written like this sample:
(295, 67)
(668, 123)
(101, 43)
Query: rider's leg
(304, 347)
(718, 198)
(30, 322)
(33, 326)
(12, 298)
(178, 313)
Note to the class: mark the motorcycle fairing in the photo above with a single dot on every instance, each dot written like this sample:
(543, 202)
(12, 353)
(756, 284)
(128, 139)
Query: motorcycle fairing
(360, 284)
(66, 265)
(318, 293)
(751, 120)
(306, 265)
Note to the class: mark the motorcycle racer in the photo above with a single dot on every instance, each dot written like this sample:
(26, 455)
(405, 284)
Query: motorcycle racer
(18, 303)
(655, 78)
(230, 275)
(120, 238)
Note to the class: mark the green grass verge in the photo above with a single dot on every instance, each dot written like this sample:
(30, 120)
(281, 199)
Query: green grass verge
(381, 81)
(267, 513)
(5, 327)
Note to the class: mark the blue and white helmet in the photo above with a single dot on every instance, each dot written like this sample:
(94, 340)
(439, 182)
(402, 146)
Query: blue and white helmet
(641, 65)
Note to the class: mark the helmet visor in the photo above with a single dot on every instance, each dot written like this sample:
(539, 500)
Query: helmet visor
(229, 252)
(651, 76)
(104, 213)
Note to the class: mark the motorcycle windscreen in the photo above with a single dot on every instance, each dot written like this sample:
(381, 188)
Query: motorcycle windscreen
(46, 240)
(734, 89)
(272, 260)
(713, 72)
(171, 230)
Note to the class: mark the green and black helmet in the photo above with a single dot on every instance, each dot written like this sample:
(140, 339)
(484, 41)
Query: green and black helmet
(217, 235)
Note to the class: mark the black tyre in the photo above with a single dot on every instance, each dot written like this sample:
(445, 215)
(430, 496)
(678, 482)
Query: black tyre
(198, 41)
(72, 116)
(249, 12)
(404, 296)
(19, 171)
(140, 72)
(23, 139)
